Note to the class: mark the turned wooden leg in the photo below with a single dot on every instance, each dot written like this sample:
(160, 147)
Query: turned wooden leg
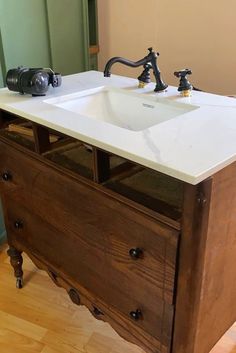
(16, 261)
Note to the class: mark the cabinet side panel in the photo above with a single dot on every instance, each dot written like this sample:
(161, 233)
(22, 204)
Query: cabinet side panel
(190, 267)
(206, 288)
(217, 311)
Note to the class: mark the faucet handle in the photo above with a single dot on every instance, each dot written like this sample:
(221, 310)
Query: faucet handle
(145, 76)
(151, 51)
(185, 86)
(183, 73)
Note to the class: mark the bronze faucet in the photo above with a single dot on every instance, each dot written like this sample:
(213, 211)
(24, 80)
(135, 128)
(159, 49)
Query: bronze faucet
(148, 62)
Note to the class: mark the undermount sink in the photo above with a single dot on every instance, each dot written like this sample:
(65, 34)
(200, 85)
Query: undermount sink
(120, 107)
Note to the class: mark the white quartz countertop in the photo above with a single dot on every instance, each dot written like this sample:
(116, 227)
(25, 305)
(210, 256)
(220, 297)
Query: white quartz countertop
(190, 147)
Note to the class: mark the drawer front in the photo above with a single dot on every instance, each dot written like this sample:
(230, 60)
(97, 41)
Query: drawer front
(16, 170)
(115, 252)
(104, 269)
(76, 208)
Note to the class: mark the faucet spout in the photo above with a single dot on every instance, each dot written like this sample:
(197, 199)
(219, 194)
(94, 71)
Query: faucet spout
(150, 59)
(127, 62)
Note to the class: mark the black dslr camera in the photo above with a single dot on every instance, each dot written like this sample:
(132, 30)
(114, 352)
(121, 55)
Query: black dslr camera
(33, 81)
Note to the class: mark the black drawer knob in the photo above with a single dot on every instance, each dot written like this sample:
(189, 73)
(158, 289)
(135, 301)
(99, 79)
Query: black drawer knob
(136, 315)
(97, 312)
(18, 224)
(6, 176)
(136, 253)
(74, 296)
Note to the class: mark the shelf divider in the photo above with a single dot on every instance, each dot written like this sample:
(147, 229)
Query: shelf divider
(101, 165)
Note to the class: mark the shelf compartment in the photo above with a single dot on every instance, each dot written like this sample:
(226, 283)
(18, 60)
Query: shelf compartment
(75, 156)
(156, 191)
(83, 160)
(28, 134)
(153, 190)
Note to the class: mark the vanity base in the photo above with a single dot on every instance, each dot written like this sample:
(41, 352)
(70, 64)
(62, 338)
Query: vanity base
(149, 254)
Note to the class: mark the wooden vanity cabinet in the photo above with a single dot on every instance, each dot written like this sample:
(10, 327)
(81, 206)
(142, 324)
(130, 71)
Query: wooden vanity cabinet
(151, 255)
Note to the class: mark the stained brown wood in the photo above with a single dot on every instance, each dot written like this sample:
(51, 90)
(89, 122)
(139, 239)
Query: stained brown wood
(101, 311)
(75, 157)
(93, 49)
(41, 137)
(16, 261)
(6, 117)
(95, 252)
(124, 170)
(85, 236)
(9, 158)
(15, 162)
(1, 119)
(191, 257)
(44, 319)
(81, 233)
(28, 132)
(113, 316)
(101, 165)
(206, 279)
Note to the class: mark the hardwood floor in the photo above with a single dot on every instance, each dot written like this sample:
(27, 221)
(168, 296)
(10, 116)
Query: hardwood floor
(41, 318)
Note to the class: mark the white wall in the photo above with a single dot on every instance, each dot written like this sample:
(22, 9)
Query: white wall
(199, 34)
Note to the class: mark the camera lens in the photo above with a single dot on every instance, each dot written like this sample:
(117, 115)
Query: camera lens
(13, 79)
(35, 82)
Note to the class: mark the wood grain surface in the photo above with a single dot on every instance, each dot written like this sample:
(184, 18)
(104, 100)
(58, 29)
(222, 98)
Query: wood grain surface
(85, 236)
(206, 288)
(82, 233)
(42, 319)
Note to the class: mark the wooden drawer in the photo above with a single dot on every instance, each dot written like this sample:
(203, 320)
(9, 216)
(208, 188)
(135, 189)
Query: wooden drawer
(21, 173)
(87, 234)
(99, 261)
(16, 169)
(77, 208)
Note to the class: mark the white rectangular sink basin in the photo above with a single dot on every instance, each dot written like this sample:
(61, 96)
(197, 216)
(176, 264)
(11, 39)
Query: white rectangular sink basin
(121, 107)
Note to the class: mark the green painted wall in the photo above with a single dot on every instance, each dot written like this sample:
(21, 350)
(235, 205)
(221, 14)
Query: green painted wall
(68, 30)
(2, 62)
(92, 13)
(1, 76)
(24, 33)
(46, 33)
